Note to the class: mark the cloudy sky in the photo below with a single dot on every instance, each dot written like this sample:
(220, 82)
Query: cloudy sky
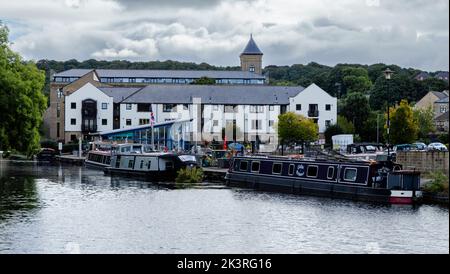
(411, 33)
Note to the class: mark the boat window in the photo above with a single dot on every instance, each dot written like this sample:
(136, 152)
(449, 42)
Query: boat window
(169, 165)
(142, 164)
(149, 164)
(312, 171)
(255, 166)
(350, 174)
(243, 166)
(108, 160)
(291, 169)
(126, 149)
(118, 162)
(330, 173)
(130, 164)
(276, 168)
(136, 149)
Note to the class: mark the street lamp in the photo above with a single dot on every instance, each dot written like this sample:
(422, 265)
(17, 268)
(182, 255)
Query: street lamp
(387, 74)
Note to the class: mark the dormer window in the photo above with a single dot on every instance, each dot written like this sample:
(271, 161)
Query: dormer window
(252, 68)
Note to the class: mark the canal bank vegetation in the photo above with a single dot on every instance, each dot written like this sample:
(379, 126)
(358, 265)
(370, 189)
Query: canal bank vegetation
(188, 177)
(438, 184)
(22, 102)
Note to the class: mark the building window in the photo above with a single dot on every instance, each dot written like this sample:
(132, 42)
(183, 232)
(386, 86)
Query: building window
(257, 109)
(73, 121)
(298, 107)
(271, 122)
(251, 68)
(128, 106)
(73, 105)
(328, 107)
(443, 109)
(104, 122)
(256, 124)
(59, 93)
(57, 130)
(327, 123)
(144, 107)
(215, 123)
(58, 110)
(216, 107)
(230, 109)
(185, 107)
(271, 108)
(132, 80)
(104, 105)
(73, 137)
(144, 121)
(169, 108)
(128, 122)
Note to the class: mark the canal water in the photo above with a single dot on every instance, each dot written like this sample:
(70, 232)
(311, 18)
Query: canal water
(71, 209)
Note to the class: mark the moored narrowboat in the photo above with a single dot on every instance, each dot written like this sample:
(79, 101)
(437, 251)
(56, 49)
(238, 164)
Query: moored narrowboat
(376, 181)
(141, 160)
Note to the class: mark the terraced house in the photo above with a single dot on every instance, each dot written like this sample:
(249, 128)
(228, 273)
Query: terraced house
(87, 101)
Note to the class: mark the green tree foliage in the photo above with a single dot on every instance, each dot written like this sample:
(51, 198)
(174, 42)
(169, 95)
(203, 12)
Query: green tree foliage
(374, 122)
(346, 126)
(356, 109)
(204, 81)
(424, 118)
(22, 102)
(294, 128)
(404, 128)
(356, 79)
(331, 131)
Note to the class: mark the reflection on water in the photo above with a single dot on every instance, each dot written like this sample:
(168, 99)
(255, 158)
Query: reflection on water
(70, 209)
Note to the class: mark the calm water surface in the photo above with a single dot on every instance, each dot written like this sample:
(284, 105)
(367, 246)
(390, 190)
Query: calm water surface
(69, 209)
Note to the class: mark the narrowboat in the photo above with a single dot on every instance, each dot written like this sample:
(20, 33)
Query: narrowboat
(99, 156)
(376, 181)
(46, 155)
(141, 160)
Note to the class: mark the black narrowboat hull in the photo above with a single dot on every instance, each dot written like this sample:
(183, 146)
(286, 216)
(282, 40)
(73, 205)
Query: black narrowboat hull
(149, 175)
(312, 188)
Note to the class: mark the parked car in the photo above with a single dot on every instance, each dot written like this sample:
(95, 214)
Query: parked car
(403, 147)
(420, 146)
(437, 146)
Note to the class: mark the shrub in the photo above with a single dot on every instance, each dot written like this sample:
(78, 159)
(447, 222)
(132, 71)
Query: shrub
(438, 184)
(189, 176)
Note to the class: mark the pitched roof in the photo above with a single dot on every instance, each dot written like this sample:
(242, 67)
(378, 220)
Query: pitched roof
(442, 117)
(119, 94)
(439, 94)
(442, 74)
(443, 100)
(136, 73)
(212, 94)
(252, 48)
(423, 75)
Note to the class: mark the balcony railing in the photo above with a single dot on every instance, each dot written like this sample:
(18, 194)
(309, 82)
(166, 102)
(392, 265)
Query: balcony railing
(88, 128)
(313, 113)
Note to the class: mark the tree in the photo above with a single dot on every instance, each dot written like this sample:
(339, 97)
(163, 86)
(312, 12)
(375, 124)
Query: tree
(403, 128)
(356, 108)
(204, 81)
(22, 102)
(295, 128)
(330, 132)
(346, 126)
(356, 79)
(424, 118)
(374, 123)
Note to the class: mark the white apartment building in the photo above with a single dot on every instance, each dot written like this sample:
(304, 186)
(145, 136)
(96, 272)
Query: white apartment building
(253, 110)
